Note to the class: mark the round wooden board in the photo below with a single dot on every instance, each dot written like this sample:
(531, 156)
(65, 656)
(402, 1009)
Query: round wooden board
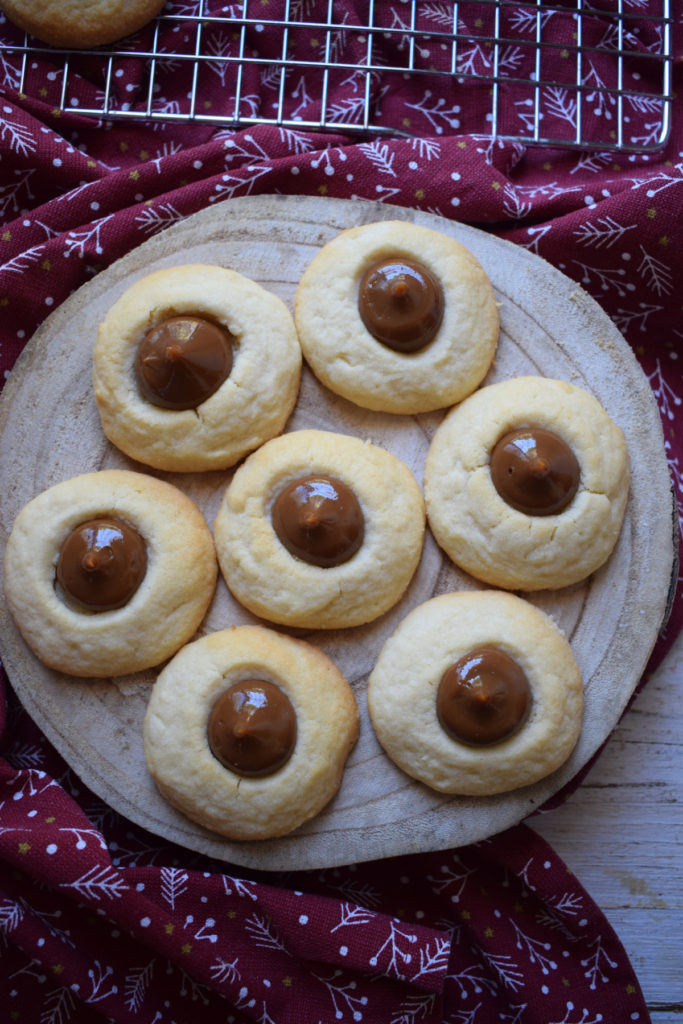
(50, 431)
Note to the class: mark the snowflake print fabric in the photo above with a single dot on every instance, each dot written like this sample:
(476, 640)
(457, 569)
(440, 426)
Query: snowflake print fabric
(100, 920)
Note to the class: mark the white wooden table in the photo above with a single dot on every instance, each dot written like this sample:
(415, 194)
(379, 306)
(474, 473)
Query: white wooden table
(621, 834)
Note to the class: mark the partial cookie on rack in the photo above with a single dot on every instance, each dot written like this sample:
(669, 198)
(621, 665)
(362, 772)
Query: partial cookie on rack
(248, 731)
(476, 693)
(397, 318)
(526, 484)
(109, 573)
(194, 367)
(320, 530)
(80, 24)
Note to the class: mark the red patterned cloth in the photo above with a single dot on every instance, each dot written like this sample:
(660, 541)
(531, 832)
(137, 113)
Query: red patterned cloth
(102, 921)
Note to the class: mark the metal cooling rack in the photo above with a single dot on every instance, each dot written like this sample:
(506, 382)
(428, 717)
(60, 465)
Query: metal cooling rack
(571, 74)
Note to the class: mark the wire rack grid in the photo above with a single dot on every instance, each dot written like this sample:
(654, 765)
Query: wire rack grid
(568, 74)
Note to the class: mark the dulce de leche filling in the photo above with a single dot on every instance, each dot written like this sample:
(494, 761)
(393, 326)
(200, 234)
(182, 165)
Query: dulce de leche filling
(182, 361)
(318, 519)
(535, 471)
(101, 564)
(252, 728)
(483, 698)
(401, 303)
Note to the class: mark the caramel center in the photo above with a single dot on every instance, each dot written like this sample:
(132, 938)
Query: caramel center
(183, 361)
(535, 471)
(252, 728)
(101, 564)
(319, 519)
(483, 698)
(401, 303)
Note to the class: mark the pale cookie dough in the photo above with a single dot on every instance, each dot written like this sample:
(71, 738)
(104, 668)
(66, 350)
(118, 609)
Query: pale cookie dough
(251, 406)
(493, 541)
(282, 588)
(179, 756)
(403, 685)
(346, 357)
(162, 614)
(79, 24)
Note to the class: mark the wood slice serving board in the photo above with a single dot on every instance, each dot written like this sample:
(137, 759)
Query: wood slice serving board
(50, 431)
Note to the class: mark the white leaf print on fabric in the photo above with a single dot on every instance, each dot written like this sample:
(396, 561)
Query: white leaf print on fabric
(426, 148)
(475, 977)
(204, 932)
(393, 943)
(192, 988)
(667, 399)
(11, 73)
(33, 783)
(173, 884)
(11, 913)
(295, 141)
(19, 138)
(380, 156)
(79, 833)
(536, 234)
(137, 984)
(346, 111)
(414, 1009)
(659, 182)
(592, 162)
(59, 1006)
(259, 929)
(168, 149)
(506, 969)
(360, 892)
(452, 879)
(156, 218)
(513, 205)
(98, 883)
(9, 194)
(221, 970)
(655, 273)
(630, 319)
(603, 232)
(99, 976)
(561, 104)
(352, 915)
(239, 886)
(76, 241)
(576, 1016)
(343, 996)
(19, 264)
(606, 277)
(596, 962)
(436, 112)
(434, 960)
(27, 755)
(535, 948)
(234, 185)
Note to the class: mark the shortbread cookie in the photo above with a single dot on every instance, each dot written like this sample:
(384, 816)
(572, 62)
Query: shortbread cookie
(320, 530)
(526, 484)
(79, 24)
(397, 317)
(247, 732)
(109, 573)
(476, 693)
(194, 367)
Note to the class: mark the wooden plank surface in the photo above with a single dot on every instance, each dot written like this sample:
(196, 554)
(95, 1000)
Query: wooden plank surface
(621, 833)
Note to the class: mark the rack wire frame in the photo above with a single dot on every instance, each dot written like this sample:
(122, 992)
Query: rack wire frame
(413, 42)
